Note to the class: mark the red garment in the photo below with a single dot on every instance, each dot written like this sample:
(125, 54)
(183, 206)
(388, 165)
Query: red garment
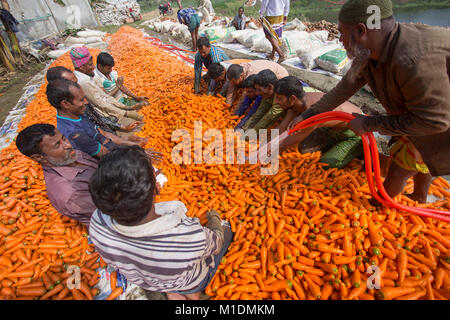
(68, 188)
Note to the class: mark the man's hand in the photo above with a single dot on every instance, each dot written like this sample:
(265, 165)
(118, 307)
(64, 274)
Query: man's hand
(142, 99)
(154, 155)
(357, 124)
(294, 122)
(119, 82)
(214, 222)
(135, 140)
(138, 106)
(132, 126)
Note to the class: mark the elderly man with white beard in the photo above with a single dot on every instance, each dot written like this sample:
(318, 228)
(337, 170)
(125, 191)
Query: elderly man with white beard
(407, 67)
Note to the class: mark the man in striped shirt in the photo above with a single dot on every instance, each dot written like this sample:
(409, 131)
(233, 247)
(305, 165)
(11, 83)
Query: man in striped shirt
(206, 55)
(155, 245)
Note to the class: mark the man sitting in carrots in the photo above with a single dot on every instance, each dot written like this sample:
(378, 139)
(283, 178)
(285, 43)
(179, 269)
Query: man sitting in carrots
(112, 84)
(105, 104)
(155, 245)
(66, 171)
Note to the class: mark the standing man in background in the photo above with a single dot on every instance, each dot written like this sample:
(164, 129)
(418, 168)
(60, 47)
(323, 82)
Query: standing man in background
(276, 13)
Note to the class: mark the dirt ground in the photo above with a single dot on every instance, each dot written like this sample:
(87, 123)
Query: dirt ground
(12, 90)
(152, 14)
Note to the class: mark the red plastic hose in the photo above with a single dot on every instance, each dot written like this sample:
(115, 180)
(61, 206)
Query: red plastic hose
(172, 49)
(372, 162)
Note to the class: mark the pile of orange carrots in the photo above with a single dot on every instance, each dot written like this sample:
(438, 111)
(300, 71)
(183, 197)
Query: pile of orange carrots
(306, 232)
(38, 245)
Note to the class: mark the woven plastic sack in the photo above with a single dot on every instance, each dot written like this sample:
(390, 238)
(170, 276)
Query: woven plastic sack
(262, 45)
(242, 35)
(343, 153)
(296, 40)
(295, 24)
(333, 61)
(308, 56)
(218, 33)
(75, 40)
(251, 40)
(91, 33)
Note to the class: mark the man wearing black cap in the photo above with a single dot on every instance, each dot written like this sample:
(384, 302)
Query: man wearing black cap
(407, 67)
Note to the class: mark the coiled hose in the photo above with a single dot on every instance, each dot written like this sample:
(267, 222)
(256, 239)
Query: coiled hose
(372, 162)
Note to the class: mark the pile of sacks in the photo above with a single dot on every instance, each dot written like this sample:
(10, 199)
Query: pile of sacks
(115, 12)
(175, 29)
(314, 49)
(87, 38)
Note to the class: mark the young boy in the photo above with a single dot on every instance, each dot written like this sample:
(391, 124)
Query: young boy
(155, 245)
(112, 84)
(291, 97)
(269, 111)
(251, 100)
(238, 72)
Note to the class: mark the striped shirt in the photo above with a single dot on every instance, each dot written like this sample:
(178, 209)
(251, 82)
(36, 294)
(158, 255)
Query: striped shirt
(170, 253)
(216, 55)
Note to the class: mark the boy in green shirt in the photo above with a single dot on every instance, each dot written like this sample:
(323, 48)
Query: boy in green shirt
(269, 111)
(112, 84)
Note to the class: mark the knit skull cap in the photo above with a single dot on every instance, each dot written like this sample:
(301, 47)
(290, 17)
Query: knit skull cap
(355, 11)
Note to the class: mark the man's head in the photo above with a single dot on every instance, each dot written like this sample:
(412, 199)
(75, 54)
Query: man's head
(265, 83)
(56, 73)
(124, 185)
(216, 71)
(357, 28)
(249, 85)
(359, 34)
(82, 60)
(105, 63)
(203, 46)
(45, 144)
(66, 96)
(241, 11)
(289, 92)
(235, 74)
